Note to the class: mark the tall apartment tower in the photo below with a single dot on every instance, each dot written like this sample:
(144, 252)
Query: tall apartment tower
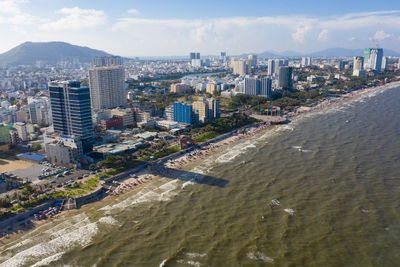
(258, 86)
(271, 67)
(71, 113)
(285, 78)
(252, 58)
(358, 63)
(240, 66)
(107, 87)
(373, 58)
(194, 55)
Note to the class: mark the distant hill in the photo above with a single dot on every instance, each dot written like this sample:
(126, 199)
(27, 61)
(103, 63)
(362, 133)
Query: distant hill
(330, 52)
(50, 52)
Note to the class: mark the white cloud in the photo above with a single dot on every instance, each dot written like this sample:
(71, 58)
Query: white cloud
(323, 35)
(133, 11)
(300, 33)
(381, 35)
(352, 38)
(77, 19)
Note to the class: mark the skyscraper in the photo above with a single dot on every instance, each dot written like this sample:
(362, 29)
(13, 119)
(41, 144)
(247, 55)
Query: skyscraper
(240, 66)
(285, 78)
(194, 55)
(258, 86)
(184, 113)
(384, 63)
(70, 104)
(305, 61)
(252, 58)
(373, 58)
(358, 63)
(107, 87)
(271, 67)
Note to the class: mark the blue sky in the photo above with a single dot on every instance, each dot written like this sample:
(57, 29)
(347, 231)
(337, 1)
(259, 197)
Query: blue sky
(176, 27)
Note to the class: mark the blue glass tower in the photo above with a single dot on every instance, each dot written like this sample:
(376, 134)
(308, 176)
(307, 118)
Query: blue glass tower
(184, 113)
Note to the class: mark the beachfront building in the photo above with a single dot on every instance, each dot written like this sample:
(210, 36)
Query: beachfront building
(184, 113)
(258, 86)
(285, 78)
(71, 113)
(373, 58)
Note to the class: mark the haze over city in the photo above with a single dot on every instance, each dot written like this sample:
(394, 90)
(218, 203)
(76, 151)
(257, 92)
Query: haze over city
(174, 28)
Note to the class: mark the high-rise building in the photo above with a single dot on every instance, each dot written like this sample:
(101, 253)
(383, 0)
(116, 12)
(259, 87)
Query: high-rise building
(184, 113)
(240, 66)
(305, 61)
(266, 87)
(212, 88)
(252, 58)
(258, 86)
(373, 58)
(285, 78)
(213, 109)
(107, 87)
(271, 67)
(358, 63)
(107, 61)
(21, 130)
(384, 63)
(71, 113)
(194, 55)
(201, 106)
(223, 54)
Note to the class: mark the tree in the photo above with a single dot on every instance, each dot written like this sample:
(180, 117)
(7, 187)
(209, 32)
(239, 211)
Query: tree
(36, 147)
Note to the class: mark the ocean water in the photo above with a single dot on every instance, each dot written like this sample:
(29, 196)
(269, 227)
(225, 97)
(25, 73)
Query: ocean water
(321, 191)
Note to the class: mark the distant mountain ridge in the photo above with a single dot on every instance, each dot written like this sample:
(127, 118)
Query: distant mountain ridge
(29, 53)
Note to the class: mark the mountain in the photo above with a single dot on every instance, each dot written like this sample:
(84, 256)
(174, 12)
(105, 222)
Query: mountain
(330, 52)
(49, 52)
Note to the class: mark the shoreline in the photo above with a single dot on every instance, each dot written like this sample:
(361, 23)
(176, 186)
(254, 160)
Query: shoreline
(183, 161)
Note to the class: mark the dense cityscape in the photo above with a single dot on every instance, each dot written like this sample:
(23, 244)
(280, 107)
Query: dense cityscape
(100, 119)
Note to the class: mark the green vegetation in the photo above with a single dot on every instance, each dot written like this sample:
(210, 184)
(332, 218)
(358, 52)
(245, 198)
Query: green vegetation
(221, 126)
(36, 147)
(206, 136)
(163, 153)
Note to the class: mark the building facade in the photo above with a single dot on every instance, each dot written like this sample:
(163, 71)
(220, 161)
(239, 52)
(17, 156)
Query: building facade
(71, 112)
(107, 87)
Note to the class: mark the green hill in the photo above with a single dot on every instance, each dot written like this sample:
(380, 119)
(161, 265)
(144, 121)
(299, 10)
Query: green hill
(49, 52)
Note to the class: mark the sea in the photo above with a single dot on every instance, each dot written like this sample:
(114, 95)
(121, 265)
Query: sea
(323, 190)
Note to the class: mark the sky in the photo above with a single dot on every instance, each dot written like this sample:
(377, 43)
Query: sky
(177, 27)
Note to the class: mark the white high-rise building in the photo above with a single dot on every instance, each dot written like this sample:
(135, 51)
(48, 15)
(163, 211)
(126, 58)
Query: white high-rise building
(305, 61)
(107, 87)
(252, 60)
(271, 67)
(358, 63)
(384, 63)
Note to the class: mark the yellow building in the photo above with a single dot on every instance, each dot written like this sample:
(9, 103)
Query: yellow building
(213, 88)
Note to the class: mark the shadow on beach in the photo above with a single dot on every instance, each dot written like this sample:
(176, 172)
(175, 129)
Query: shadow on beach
(16, 228)
(182, 175)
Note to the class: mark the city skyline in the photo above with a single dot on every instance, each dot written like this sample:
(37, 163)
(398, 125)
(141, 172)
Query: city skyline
(177, 28)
